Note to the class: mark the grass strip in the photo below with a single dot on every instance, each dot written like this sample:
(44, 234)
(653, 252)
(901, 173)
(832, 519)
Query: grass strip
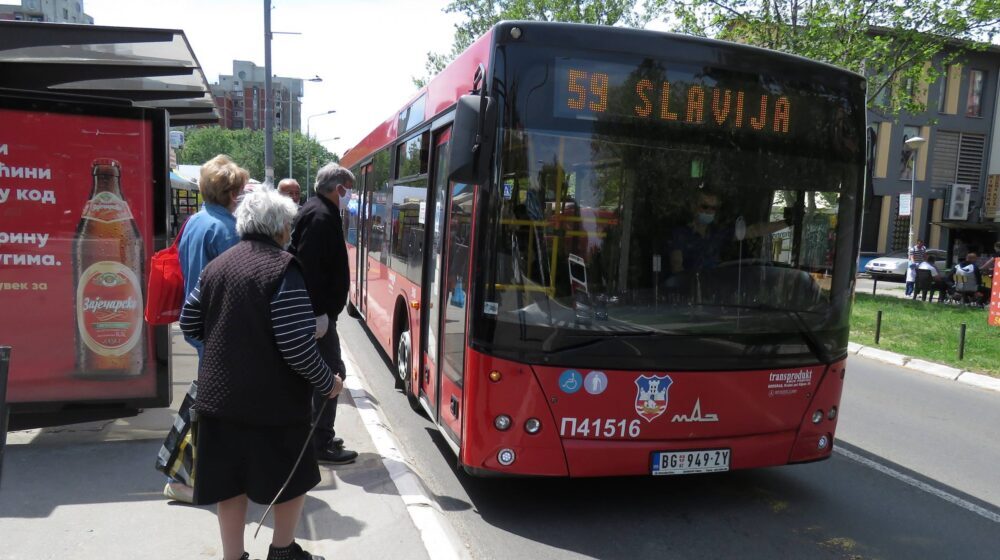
(928, 331)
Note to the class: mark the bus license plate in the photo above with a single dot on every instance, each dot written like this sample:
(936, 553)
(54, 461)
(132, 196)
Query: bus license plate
(690, 462)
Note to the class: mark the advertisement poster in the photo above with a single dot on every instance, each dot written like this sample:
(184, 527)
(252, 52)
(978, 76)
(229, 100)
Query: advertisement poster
(76, 203)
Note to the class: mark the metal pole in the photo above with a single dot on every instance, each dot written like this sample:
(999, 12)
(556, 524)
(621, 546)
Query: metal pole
(4, 415)
(268, 100)
(961, 342)
(913, 205)
(309, 157)
(309, 150)
(289, 129)
(878, 326)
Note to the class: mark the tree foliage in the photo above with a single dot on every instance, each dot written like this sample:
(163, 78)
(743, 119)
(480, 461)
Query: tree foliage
(893, 43)
(246, 148)
(480, 15)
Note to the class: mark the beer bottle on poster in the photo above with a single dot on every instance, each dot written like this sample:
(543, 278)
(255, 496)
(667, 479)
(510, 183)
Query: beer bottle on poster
(107, 266)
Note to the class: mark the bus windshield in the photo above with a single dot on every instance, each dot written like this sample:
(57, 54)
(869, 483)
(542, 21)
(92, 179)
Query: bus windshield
(615, 237)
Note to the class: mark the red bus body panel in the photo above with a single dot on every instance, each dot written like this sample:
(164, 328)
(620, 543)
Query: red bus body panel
(764, 417)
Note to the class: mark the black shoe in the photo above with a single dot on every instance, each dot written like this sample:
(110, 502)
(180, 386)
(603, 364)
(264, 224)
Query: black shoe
(337, 442)
(290, 552)
(336, 456)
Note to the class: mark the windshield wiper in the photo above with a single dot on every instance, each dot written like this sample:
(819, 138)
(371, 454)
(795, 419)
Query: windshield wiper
(801, 327)
(597, 339)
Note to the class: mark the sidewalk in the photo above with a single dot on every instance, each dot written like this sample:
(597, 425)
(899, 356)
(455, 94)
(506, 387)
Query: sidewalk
(89, 492)
(898, 289)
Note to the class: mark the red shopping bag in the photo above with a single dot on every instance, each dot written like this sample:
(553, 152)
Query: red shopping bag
(165, 292)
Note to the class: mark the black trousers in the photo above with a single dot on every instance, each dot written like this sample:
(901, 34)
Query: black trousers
(329, 350)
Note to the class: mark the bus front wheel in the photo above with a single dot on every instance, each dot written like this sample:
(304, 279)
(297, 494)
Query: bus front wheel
(404, 368)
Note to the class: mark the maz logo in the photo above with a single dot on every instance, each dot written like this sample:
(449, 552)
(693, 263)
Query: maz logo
(696, 415)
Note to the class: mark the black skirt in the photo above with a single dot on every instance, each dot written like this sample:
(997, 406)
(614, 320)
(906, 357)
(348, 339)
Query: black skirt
(233, 458)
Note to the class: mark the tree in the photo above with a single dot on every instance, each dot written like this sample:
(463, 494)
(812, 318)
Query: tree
(246, 148)
(482, 14)
(896, 45)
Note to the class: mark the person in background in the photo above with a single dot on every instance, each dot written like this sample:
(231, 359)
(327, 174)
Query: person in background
(212, 229)
(318, 243)
(916, 255)
(290, 188)
(261, 367)
(206, 235)
(937, 283)
(972, 289)
(990, 267)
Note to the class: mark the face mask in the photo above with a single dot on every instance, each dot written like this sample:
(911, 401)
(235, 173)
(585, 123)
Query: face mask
(342, 200)
(706, 217)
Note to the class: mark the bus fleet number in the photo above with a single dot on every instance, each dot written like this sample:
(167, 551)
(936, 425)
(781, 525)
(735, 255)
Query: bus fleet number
(599, 428)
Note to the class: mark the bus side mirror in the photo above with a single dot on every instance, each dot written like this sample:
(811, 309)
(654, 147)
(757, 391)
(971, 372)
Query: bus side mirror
(472, 138)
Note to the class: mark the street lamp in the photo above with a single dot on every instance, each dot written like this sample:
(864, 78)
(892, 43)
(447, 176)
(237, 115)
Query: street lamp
(913, 144)
(291, 114)
(309, 149)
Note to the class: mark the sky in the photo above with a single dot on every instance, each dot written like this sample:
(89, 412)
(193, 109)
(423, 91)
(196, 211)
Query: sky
(366, 51)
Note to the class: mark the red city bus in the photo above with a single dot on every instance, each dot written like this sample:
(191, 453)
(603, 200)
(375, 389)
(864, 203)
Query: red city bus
(596, 251)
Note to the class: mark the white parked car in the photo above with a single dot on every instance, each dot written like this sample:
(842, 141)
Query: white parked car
(893, 266)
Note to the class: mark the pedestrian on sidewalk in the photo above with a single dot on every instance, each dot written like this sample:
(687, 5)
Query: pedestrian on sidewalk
(259, 371)
(916, 255)
(206, 235)
(290, 188)
(318, 243)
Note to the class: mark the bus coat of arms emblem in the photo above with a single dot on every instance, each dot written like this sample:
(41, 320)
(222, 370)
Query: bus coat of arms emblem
(651, 395)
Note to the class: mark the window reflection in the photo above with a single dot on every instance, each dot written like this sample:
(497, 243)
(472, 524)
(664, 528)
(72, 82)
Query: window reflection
(617, 236)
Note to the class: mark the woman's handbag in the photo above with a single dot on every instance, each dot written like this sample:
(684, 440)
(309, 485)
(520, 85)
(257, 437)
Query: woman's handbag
(165, 293)
(176, 458)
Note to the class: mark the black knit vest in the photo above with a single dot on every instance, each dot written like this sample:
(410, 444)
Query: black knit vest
(242, 375)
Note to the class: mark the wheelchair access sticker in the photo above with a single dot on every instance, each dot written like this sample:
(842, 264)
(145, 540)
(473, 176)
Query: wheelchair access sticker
(570, 381)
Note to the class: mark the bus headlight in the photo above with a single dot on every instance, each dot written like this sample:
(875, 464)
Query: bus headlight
(818, 416)
(506, 457)
(532, 425)
(832, 415)
(823, 442)
(502, 422)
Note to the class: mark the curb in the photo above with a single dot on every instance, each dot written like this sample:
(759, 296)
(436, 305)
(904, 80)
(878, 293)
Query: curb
(930, 368)
(439, 538)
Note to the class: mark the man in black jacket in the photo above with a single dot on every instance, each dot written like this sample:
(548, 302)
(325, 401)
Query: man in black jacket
(318, 242)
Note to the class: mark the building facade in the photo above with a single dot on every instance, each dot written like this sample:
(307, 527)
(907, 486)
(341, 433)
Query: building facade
(57, 11)
(955, 175)
(240, 98)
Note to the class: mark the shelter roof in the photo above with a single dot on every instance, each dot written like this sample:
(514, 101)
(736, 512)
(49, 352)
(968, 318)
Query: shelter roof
(147, 67)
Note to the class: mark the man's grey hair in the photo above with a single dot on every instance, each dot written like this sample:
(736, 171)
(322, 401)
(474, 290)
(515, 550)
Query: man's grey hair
(265, 212)
(331, 175)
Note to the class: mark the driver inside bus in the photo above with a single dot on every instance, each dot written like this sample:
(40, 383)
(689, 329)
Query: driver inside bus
(698, 244)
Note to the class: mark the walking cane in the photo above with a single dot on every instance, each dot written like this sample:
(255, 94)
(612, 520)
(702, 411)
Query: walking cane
(294, 467)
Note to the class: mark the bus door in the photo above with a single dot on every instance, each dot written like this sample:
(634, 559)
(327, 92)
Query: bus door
(433, 273)
(444, 346)
(364, 190)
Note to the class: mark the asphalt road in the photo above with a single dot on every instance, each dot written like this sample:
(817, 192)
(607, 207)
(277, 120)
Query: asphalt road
(923, 483)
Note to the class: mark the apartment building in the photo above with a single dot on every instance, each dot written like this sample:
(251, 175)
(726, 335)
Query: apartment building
(240, 98)
(955, 176)
(58, 11)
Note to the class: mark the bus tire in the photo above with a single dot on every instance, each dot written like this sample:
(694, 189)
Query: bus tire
(404, 368)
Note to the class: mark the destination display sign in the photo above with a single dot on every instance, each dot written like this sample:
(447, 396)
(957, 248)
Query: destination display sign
(694, 97)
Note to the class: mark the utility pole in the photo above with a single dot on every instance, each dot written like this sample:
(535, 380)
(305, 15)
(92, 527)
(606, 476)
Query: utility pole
(268, 100)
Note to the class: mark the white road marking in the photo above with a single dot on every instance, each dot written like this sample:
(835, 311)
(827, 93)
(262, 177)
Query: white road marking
(950, 498)
(437, 535)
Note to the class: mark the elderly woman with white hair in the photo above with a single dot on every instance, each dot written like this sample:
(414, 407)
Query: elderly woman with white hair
(255, 380)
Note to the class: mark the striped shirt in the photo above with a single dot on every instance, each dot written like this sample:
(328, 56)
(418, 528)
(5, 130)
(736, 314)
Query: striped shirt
(293, 323)
(918, 253)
